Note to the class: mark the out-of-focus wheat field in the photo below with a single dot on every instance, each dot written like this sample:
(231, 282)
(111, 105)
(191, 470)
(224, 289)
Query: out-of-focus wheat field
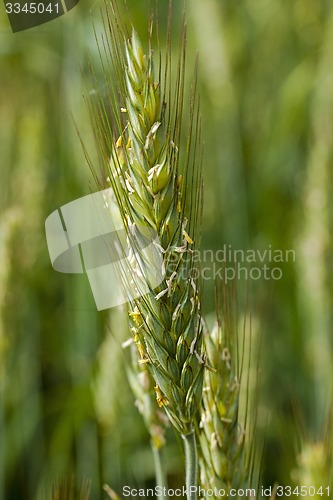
(266, 86)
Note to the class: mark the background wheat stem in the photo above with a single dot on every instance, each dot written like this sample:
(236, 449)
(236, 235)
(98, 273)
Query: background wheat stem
(160, 476)
(191, 463)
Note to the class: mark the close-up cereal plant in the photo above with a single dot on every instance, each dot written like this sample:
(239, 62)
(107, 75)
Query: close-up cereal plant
(157, 188)
(171, 160)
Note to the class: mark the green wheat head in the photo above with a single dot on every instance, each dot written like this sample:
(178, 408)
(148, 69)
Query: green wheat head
(138, 125)
(225, 460)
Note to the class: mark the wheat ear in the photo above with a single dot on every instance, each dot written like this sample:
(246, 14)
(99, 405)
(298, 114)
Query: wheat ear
(142, 137)
(166, 323)
(223, 462)
(156, 422)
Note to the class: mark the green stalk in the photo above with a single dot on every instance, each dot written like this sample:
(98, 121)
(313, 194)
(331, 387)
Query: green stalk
(191, 462)
(161, 479)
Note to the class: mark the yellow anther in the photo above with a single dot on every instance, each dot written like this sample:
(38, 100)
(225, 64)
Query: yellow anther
(179, 206)
(119, 142)
(136, 316)
(179, 181)
(187, 237)
(141, 351)
(143, 361)
(161, 400)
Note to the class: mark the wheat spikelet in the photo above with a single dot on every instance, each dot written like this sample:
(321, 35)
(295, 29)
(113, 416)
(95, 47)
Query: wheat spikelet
(312, 465)
(223, 462)
(314, 459)
(141, 135)
(142, 385)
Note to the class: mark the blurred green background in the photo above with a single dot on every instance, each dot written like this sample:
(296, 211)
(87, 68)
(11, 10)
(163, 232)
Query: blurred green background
(266, 84)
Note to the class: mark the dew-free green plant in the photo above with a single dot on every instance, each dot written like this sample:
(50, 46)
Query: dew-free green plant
(138, 125)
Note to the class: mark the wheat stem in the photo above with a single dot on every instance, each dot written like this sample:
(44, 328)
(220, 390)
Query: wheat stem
(160, 476)
(191, 462)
